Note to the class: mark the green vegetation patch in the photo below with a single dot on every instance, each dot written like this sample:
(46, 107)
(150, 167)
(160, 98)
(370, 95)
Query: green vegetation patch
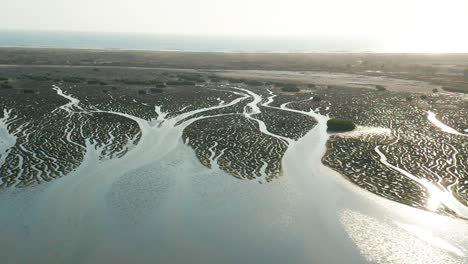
(181, 83)
(340, 125)
(290, 89)
(380, 88)
(72, 79)
(6, 85)
(456, 89)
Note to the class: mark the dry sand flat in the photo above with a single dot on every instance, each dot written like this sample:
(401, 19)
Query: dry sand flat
(332, 78)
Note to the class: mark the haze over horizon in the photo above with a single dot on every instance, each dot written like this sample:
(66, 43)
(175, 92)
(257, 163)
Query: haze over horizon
(413, 26)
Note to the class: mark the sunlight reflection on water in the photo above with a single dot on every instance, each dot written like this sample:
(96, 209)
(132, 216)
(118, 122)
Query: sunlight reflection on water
(389, 242)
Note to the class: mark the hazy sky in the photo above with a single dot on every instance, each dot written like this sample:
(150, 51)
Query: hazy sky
(436, 23)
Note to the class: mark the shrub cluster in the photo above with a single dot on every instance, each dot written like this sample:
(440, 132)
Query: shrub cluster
(340, 124)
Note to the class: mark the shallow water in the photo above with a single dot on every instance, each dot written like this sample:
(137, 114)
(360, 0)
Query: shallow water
(7, 139)
(431, 116)
(159, 204)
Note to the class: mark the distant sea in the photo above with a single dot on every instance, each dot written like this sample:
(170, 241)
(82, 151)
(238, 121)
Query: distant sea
(130, 41)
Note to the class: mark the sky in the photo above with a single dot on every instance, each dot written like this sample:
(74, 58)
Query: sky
(432, 25)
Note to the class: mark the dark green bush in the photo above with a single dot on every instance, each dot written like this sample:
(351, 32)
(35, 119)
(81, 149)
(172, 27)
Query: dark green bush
(197, 78)
(340, 125)
(91, 82)
(380, 88)
(28, 91)
(253, 82)
(290, 89)
(235, 80)
(6, 85)
(72, 79)
(136, 82)
(456, 89)
(156, 90)
(181, 83)
(37, 78)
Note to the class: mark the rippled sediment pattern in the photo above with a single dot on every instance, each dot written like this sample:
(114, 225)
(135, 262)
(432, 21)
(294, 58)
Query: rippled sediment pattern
(243, 130)
(415, 146)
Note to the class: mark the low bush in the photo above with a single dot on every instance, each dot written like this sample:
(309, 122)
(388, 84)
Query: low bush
(253, 82)
(316, 99)
(156, 90)
(6, 85)
(340, 124)
(456, 89)
(290, 89)
(28, 91)
(181, 83)
(72, 79)
(380, 88)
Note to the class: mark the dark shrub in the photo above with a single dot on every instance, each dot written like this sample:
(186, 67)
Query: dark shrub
(92, 82)
(316, 98)
(37, 78)
(156, 90)
(288, 87)
(456, 89)
(72, 79)
(409, 99)
(311, 85)
(142, 92)
(3, 79)
(435, 90)
(340, 125)
(253, 82)
(181, 83)
(424, 97)
(192, 78)
(28, 91)
(6, 85)
(380, 88)
(215, 79)
(135, 82)
(235, 80)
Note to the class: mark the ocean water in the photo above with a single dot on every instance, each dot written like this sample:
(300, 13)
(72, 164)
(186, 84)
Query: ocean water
(131, 41)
